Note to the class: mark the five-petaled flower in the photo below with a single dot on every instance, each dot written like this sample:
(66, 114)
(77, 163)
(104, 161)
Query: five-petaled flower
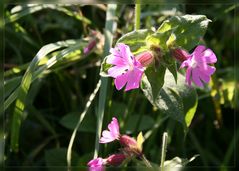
(127, 70)
(111, 134)
(198, 69)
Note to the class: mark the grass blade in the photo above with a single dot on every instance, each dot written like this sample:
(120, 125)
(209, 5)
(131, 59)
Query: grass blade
(110, 27)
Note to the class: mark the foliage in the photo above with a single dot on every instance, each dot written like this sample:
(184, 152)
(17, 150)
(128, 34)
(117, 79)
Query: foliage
(49, 82)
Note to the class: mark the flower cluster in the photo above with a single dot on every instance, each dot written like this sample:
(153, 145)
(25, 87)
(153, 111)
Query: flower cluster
(128, 69)
(130, 147)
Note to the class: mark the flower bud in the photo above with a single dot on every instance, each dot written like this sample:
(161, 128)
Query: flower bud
(145, 58)
(130, 145)
(115, 159)
(180, 54)
(89, 47)
(127, 141)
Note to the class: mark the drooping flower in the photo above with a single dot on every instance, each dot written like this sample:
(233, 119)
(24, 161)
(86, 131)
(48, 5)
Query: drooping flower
(197, 64)
(111, 134)
(127, 70)
(96, 164)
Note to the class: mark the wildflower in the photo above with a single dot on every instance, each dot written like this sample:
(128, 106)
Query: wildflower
(127, 70)
(112, 134)
(197, 65)
(96, 164)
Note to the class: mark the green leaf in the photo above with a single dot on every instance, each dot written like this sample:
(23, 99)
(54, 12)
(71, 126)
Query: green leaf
(32, 72)
(20, 11)
(104, 67)
(152, 82)
(187, 30)
(11, 84)
(159, 40)
(178, 101)
(136, 40)
(56, 159)
(146, 122)
(177, 164)
(70, 121)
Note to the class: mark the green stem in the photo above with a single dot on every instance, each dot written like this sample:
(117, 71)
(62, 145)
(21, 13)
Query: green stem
(164, 149)
(146, 162)
(137, 15)
(82, 116)
(110, 27)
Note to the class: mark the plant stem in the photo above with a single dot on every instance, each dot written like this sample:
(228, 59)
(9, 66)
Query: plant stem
(137, 15)
(164, 149)
(110, 27)
(69, 149)
(147, 163)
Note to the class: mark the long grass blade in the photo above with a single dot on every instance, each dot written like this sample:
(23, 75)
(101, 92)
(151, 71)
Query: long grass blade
(23, 10)
(21, 92)
(110, 27)
(69, 149)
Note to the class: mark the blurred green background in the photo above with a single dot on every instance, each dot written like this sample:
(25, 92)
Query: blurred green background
(58, 95)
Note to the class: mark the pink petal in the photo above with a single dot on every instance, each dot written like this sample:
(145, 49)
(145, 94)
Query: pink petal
(184, 64)
(126, 53)
(188, 76)
(114, 128)
(106, 137)
(115, 60)
(204, 77)
(209, 70)
(134, 78)
(117, 71)
(209, 56)
(199, 50)
(120, 81)
(195, 77)
(96, 162)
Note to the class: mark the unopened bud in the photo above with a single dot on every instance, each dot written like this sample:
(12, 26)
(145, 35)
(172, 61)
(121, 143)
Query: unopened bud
(127, 141)
(89, 47)
(145, 58)
(115, 159)
(180, 54)
(130, 145)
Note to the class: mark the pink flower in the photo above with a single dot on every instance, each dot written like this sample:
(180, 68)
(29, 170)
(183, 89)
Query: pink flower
(197, 65)
(96, 164)
(127, 70)
(112, 134)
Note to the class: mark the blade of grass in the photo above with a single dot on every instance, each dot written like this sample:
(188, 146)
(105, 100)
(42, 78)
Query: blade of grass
(110, 28)
(22, 91)
(69, 149)
(49, 64)
(23, 10)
